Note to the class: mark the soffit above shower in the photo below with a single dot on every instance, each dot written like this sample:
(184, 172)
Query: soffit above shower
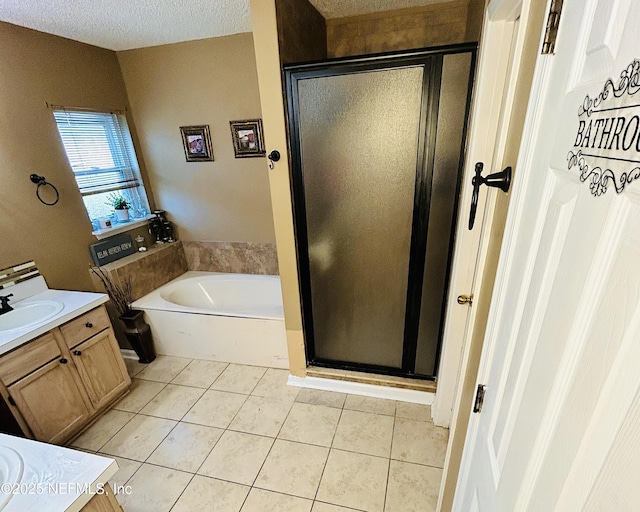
(332, 9)
(127, 24)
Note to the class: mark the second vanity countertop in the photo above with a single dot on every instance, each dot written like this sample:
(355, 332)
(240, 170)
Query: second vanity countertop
(50, 478)
(74, 304)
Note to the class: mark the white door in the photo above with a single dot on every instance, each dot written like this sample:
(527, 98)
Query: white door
(560, 425)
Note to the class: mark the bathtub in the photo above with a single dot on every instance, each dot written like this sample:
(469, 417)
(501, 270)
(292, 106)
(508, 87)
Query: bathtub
(233, 318)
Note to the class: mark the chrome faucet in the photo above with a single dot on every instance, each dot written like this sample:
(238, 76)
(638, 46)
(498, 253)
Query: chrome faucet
(4, 304)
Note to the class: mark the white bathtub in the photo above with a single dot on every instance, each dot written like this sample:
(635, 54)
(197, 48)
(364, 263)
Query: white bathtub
(234, 318)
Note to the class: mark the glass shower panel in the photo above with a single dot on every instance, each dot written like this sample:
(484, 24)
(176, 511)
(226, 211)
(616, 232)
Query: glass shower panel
(454, 87)
(359, 143)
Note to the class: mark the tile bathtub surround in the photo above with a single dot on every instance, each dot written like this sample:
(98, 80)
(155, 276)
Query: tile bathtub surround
(148, 270)
(236, 257)
(262, 446)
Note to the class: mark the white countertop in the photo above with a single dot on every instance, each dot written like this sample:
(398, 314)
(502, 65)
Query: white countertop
(74, 304)
(54, 479)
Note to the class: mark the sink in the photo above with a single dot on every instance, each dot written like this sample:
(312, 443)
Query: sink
(11, 471)
(25, 316)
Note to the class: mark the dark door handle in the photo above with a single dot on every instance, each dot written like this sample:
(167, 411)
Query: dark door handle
(63, 361)
(77, 352)
(501, 180)
(89, 325)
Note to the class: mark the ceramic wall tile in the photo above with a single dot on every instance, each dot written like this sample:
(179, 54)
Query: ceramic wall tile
(148, 270)
(236, 257)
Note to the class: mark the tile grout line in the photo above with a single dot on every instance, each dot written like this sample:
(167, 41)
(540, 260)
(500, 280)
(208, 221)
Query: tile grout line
(329, 451)
(393, 432)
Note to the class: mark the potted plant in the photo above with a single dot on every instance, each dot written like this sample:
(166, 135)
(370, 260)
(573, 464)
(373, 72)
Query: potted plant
(120, 205)
(136, 330)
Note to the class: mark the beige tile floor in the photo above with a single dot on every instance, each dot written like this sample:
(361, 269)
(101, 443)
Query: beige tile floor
(204, 436)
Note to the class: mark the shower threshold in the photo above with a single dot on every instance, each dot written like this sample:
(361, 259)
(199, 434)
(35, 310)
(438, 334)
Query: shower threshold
(372, 378)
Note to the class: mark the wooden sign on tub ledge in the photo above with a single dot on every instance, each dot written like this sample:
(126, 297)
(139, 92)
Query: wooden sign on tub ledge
(112, 249)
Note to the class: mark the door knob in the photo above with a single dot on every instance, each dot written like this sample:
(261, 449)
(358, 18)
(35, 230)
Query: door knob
(501, 180)
(274, 156)
(465, 299)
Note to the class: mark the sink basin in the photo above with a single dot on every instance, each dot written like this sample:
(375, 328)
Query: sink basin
(25, 316)
(11, 471)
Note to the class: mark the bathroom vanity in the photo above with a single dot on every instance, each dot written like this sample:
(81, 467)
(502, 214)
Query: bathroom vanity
(59, 376)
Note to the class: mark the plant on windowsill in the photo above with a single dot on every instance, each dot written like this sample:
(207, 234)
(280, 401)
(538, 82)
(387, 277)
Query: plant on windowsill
(120, 205)
(136, 330)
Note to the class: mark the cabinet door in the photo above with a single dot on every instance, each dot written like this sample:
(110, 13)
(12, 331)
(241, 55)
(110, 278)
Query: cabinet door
(52, 401)
(101, 368)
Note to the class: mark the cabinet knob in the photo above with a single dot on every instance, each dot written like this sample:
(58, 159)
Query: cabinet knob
(77, 352)
(89, 325)
(63, 361)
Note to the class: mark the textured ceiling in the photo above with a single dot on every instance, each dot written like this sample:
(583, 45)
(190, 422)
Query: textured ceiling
(126, 24)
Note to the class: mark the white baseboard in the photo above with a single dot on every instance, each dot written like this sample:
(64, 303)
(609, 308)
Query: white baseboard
(358, 388)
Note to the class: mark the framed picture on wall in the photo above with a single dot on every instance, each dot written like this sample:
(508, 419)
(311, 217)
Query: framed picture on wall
(247, 138)
(197, 143)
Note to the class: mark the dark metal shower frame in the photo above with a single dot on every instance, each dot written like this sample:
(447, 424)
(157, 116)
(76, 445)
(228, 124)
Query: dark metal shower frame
(431, 59)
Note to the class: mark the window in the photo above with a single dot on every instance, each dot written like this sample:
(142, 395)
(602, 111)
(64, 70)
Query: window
(103, 160)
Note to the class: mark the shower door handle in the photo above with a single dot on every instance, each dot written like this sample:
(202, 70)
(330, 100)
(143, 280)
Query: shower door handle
(501, 180)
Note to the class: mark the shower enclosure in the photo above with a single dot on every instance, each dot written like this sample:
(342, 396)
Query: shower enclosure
(377, 151)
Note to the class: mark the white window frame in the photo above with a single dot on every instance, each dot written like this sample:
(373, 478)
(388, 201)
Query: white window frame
(124, 177)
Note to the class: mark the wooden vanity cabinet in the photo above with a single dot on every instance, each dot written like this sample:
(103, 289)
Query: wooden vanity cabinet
(59, 382)
(101, 368)
(51, 402)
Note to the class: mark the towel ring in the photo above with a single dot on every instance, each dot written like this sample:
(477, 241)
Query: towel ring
(41, 182)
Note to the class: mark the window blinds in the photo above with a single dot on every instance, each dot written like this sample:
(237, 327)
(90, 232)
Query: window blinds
(99, 149)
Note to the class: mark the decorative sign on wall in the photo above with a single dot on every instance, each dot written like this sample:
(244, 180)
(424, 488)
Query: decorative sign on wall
(112, 249)
(607, 144)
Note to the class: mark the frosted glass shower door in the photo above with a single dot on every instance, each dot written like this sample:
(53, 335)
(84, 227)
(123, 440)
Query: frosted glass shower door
(359, 138)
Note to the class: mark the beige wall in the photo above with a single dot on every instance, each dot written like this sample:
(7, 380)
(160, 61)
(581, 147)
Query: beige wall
(36, 68)
(210, 81)
(265, 33)
(403, 29)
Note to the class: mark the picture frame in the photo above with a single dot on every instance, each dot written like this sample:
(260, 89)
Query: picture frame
(196, 141)
(247, 138)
